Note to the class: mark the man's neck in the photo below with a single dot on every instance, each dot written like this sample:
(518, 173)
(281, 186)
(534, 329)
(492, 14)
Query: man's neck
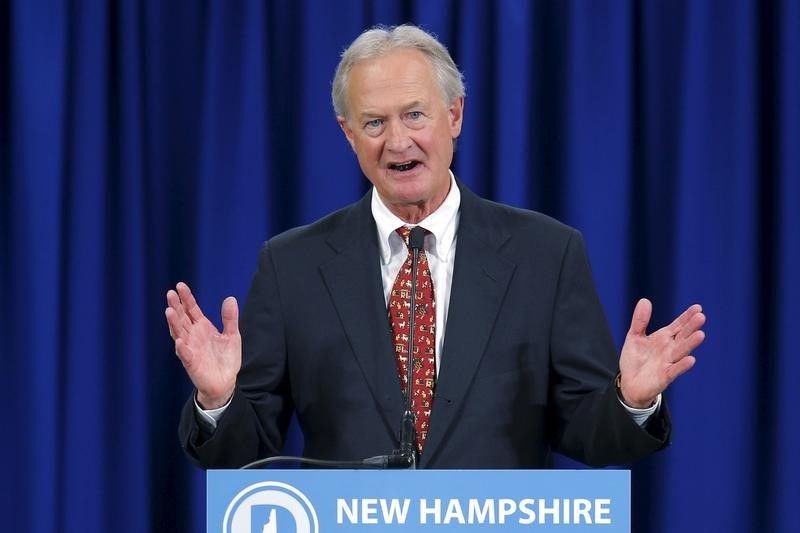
(414, 213)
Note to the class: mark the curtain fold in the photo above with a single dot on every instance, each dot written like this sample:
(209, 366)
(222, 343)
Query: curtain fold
(143, 143)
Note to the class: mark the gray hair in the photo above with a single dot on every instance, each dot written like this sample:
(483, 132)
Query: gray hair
(379, 41)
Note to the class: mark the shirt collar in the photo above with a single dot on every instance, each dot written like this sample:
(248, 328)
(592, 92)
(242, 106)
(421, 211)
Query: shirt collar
(442, 224)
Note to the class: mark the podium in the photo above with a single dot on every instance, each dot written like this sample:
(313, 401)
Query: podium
(371, 501)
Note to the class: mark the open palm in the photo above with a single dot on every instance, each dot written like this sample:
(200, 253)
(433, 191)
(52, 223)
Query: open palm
(212, 359)
(649, 363)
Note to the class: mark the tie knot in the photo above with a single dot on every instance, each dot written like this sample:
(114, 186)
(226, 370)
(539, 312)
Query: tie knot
(405, 233)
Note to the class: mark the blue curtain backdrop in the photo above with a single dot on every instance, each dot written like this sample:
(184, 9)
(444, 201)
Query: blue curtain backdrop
(146, 142)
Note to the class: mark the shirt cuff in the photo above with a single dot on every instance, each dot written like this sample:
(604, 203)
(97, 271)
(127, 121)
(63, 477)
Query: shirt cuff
(210, 416)
(641, 416)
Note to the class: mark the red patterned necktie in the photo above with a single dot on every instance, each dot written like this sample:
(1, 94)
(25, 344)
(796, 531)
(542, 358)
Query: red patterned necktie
(424, 336)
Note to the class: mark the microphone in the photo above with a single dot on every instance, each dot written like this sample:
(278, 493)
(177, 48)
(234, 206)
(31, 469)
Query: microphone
(408, 433)
(416, 241)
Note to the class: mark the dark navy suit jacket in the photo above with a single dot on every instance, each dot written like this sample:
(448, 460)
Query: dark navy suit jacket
(527, 366)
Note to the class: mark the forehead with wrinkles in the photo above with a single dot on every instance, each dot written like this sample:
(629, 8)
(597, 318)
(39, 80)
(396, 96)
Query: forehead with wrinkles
(395, 82)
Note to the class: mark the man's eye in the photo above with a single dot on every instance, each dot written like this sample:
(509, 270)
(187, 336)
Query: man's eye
(415, 115)
(374, 123)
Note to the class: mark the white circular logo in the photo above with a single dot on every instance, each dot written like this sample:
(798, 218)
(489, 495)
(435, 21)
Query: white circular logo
(270, 507)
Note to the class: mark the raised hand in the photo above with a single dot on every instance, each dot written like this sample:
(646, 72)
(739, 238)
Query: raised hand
(649, 363)
(212, 359)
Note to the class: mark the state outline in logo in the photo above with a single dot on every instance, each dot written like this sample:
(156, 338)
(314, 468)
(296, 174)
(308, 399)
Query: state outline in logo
(275, 493)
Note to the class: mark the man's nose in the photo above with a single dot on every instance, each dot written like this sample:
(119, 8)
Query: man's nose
(397, 139)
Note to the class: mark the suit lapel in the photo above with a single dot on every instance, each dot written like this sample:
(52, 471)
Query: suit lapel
(353, 278)
(480, 280)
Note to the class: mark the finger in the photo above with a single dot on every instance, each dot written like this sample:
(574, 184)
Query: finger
(179, 328)
(189, 302)
(230, 316)
(674, 328)
(641, 317)
(171, 331)
(174, 301)
(181, 321)
(680, 367)
(690, 343)
(174, 323)
(694, 323)
(184, 352)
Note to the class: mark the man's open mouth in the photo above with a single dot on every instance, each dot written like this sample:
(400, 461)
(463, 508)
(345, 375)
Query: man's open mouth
(402, 167)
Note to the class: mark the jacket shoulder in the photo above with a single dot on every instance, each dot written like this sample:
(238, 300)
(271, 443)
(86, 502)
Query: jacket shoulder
(519, 226)
(317, 232)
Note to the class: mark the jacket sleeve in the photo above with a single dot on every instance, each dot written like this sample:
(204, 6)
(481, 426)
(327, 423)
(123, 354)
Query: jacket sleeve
(255, 423)
(589, 422)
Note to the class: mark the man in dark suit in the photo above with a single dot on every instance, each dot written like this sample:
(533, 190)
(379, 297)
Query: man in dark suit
(519, 358)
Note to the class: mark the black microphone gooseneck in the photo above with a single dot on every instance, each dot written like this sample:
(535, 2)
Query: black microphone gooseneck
(408, 437)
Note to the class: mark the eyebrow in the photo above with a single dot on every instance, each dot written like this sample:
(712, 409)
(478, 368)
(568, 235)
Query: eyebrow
(415, 103)
(369, 115)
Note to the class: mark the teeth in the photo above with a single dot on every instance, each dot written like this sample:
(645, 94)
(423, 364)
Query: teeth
(403, 166)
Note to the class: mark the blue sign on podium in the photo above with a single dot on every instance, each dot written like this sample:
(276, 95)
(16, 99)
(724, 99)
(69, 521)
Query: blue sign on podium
(440, 501)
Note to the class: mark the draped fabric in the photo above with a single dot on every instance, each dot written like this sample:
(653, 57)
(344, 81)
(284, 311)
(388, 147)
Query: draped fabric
(147, 142)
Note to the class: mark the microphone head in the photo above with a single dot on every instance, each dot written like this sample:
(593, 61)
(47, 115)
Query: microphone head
(416, 239)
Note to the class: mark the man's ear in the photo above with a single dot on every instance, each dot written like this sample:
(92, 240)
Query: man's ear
(348, 132)
(456, 116)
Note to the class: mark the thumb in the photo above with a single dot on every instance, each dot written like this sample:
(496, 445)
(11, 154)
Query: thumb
(641, 317)
(230, 316)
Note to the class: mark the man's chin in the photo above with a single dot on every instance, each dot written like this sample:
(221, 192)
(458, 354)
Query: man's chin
(410, 192)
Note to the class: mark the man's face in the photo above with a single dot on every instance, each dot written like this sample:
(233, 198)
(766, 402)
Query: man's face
(402, 131)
